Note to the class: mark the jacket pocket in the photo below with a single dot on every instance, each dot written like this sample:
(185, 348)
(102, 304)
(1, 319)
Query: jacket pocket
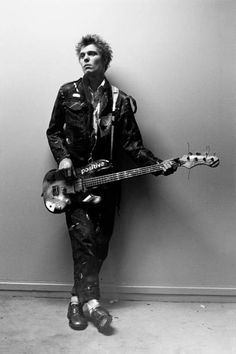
(74, 105)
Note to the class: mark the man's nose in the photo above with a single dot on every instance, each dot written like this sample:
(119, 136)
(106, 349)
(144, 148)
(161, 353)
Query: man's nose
(86, 58)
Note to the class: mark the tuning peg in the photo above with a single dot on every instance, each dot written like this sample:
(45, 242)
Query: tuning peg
(198, 153)
(190, 153)
(188, 147)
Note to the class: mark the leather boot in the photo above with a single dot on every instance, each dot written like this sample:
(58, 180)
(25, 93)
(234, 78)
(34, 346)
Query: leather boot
(76, 317)
(101, 318)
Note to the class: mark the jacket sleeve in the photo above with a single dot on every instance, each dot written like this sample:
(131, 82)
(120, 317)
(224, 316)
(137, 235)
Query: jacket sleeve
(130, 137)
(55, 132)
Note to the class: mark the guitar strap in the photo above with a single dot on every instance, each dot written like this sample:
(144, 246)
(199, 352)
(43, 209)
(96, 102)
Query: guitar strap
(115, 93)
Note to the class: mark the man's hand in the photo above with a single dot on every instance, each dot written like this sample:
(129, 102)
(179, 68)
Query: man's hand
(67, 168)
(168, 167)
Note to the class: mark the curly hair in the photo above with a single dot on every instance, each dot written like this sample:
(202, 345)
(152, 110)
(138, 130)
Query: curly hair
(102, 46)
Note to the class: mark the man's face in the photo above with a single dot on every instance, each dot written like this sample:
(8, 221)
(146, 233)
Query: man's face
(91, 60)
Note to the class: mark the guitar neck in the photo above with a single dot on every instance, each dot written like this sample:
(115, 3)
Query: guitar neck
(118, 176)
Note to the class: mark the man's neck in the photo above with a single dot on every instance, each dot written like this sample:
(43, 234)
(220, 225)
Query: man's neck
(93, 81)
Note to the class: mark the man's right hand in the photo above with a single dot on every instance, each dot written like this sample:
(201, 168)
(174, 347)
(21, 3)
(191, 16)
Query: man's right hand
(67, 168)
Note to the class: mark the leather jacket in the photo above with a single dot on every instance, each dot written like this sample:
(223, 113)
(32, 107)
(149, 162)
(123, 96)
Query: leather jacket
(70, 131)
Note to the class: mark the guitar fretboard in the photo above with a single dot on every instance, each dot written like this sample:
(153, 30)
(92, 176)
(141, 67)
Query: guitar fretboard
(118, 176)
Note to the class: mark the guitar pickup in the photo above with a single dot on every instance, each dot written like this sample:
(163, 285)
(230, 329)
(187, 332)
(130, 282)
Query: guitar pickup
(55, 191)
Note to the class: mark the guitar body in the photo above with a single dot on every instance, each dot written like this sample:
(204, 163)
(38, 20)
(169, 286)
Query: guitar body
(58, 191)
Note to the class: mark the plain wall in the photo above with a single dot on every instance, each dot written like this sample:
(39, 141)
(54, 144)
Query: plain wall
(177, 58)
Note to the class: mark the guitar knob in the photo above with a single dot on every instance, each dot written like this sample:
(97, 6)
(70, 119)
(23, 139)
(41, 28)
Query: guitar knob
(195, 159)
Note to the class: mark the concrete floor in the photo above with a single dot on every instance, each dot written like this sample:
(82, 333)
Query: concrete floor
(33, 325)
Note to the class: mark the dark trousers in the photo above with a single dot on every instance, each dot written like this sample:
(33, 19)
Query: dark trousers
(90, 228)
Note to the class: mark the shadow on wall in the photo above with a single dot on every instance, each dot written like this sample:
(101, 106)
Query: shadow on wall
(153, 226)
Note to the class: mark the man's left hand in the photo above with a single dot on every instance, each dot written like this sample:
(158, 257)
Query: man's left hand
(168, 167)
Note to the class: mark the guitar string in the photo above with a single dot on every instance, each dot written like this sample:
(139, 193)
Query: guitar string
(113, 177)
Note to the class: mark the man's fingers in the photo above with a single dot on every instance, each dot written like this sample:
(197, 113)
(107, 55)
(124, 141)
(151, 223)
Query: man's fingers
(74, 172)
(169, 166)
(67, 172)
(70, 173)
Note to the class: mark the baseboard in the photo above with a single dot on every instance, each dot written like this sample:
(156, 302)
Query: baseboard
(123, 292)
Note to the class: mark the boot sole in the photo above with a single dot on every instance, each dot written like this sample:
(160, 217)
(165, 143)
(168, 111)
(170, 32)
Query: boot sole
(78, 328)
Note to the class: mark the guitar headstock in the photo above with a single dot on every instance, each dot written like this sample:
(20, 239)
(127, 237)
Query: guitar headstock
(191, 160)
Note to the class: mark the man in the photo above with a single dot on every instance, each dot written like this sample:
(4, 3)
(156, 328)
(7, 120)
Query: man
(82, 130)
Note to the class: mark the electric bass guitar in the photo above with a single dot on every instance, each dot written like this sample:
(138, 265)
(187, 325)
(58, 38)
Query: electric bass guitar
(58, 191)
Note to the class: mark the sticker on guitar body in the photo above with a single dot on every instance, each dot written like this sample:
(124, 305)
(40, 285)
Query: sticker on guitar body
(93, 166)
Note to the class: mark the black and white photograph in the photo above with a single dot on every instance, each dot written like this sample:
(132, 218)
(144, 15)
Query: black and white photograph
(118, 178)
